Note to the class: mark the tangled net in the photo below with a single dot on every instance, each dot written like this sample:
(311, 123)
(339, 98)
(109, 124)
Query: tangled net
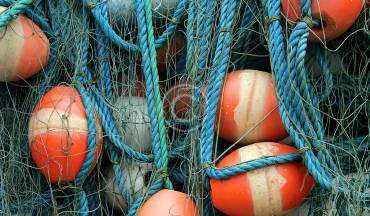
(105, 53)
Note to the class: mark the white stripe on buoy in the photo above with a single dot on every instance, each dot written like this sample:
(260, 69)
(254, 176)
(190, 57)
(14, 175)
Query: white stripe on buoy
(264, 183)
(55, 120)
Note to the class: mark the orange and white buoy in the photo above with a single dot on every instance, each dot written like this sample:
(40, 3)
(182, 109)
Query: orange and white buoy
(168, 202)
(24, 49)
(272, 190)
(336, 16)
(58, 135)
(248, 109)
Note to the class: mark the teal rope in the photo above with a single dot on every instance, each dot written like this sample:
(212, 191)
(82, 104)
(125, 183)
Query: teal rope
(117, 40)
(155, 106)
(13, 12)
(305, 126)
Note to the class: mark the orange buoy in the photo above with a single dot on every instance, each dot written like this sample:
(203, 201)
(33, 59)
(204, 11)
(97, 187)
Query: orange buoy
(272, 190)
(58, 134)
(248, 109)
(169, 202)
(24, 49)
(337, 16)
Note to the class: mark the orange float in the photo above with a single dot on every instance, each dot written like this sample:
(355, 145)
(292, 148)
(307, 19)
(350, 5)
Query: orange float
(58, 135)
(272, 190)
(168, 202)
(248, 109)
(337, 16)
(24, 49)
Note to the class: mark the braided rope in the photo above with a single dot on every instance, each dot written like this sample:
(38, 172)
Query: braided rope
(155, 107)
(292, 85)
(103, 56)
(118, 41)
(84, 76)
(13, 12)
(41, 21)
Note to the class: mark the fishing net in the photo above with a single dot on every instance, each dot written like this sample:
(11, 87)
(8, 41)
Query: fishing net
(152, 71)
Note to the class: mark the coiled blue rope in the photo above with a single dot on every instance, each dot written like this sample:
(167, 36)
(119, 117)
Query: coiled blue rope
(305, 127)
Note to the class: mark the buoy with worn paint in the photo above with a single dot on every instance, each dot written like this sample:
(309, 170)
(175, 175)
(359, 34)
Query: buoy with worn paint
(58, 135)
(135, 180)
(24, 49)
(272, 190)
(131, 114)
(335, 16)
(169, 202)
(122, 12)
(248, 109)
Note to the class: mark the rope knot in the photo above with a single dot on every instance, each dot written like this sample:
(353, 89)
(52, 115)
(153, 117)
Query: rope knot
(207, 165)
(304, 149)
(309, 21)
(161, 172)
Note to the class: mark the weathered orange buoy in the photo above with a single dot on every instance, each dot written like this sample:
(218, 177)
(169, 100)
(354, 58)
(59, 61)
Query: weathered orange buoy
(337, 16)
(24, 49)
(169, 202)
(58, 134)
(248, 108)
(272, 190)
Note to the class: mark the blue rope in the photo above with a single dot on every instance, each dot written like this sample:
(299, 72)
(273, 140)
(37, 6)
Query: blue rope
(13, 12)
(155, 105)
(37, 18)
(218, 70)
(118, 41)
(119, 177)
(109, 126)
(306, 128)
(103, 56)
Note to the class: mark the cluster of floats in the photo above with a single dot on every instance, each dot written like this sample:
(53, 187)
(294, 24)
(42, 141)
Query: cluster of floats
(247, 114)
